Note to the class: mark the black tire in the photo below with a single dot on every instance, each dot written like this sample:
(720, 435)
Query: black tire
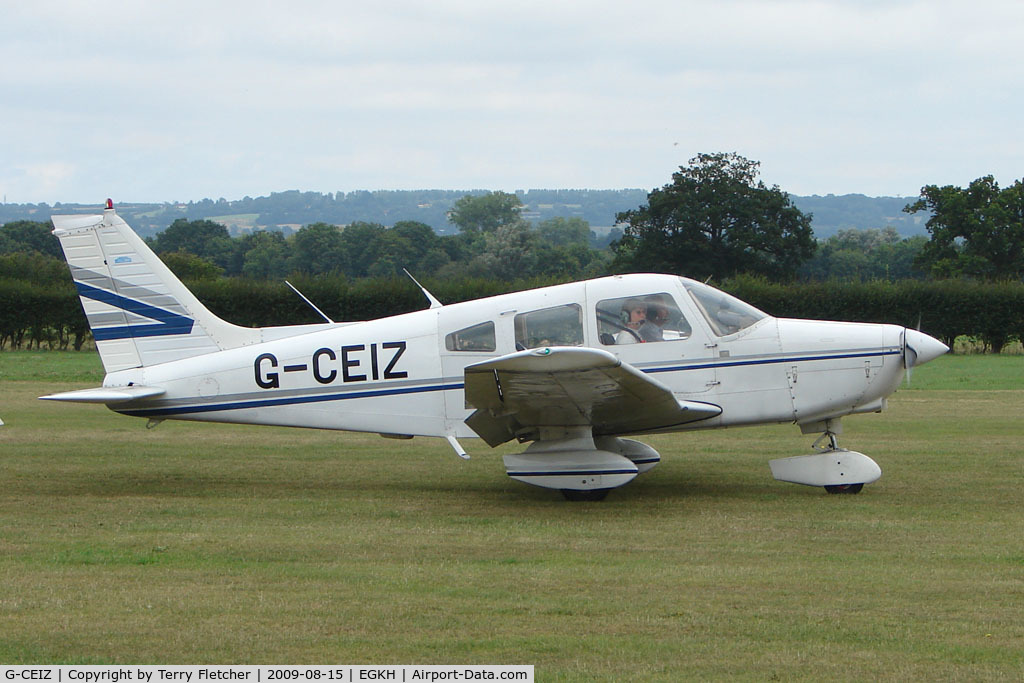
(845, 488)
(577, 495)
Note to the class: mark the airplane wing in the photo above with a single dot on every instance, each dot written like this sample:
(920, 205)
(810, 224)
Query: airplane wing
(570, 386)
(106, 394)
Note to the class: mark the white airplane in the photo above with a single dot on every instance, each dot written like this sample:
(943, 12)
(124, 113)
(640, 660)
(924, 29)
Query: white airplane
(572, 368)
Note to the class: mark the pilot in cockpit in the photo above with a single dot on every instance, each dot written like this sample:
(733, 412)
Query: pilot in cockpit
(634, 315)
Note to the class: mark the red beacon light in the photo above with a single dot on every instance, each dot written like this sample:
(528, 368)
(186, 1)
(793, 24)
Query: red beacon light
(110, 203)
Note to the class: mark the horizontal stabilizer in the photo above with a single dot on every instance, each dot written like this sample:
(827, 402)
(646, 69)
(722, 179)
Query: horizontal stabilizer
(107, 394)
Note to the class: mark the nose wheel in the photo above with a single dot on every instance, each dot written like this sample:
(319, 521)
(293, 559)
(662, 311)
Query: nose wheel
(845, 488)
(833, 445)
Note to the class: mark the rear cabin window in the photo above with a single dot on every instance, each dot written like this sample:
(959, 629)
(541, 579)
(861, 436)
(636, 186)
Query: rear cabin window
(476, 338)
(557, 326)
(651, 317)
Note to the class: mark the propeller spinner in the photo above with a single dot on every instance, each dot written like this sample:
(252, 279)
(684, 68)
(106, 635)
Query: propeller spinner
(919, 348)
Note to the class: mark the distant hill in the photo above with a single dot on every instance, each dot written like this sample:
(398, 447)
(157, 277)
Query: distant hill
(833, 213)
(293, 209)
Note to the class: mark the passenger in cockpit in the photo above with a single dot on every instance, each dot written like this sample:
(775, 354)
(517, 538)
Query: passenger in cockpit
(657, 315)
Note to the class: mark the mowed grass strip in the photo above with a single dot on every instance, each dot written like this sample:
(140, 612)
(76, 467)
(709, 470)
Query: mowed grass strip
(969, 373)
(50, 366)
(196, 543)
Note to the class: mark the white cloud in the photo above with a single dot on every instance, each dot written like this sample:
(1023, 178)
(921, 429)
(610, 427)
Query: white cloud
(157, 101)
(42, 178)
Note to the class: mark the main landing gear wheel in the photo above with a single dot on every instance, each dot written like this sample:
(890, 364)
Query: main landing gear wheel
(845, 488)
(578, 495)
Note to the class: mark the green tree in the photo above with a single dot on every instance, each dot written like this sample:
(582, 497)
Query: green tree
(510, 252)
(188, 266)
(29, 236)
(318, 248)
(419, 237)
(484, 213)
(560, 232)
(977, 231)
(569, 262)
(715, 219)
(564, 250)
(432, 261)
(360, 242)
(266, 256)
(861, 255)
(36, 267)
(203, 238)
(405, 246)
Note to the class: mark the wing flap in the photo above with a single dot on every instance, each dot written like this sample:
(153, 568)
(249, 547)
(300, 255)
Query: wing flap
(125, 394)
(517, 394)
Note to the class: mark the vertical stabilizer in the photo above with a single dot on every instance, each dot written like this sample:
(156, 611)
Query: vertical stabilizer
(139, 311)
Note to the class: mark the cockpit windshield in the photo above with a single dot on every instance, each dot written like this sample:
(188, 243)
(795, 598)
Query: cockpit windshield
(725, 313)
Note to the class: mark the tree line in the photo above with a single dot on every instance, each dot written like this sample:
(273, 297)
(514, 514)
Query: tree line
(508, 247)
(288, 211)
(715, 220)
(35, 315)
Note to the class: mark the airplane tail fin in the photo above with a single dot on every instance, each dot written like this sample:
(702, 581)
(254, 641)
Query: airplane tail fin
(139, 311)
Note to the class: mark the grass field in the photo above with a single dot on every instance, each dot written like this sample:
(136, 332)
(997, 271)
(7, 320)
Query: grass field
(198, 543)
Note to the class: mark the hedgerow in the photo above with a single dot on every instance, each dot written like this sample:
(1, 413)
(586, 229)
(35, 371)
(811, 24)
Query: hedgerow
(33, 314)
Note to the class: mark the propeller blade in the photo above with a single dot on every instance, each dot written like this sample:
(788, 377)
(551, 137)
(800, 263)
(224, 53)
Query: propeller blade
(909, 357)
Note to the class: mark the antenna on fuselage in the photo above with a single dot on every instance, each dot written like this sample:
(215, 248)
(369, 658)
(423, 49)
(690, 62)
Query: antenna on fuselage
(434, 303)
(311, 304)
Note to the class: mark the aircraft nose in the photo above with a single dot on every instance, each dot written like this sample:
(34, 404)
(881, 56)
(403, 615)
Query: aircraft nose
(919, 348)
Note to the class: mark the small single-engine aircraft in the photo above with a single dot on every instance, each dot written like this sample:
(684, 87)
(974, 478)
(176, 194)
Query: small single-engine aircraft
(572, 368)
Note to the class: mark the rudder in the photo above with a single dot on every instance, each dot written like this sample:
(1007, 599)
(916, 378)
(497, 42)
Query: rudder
(140, 313)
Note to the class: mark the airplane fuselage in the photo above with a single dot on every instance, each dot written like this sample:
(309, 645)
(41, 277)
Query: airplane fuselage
(349, 377)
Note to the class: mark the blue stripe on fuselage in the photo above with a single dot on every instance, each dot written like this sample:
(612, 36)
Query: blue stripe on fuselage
(771, 361)
(290, 400)
(397, 391)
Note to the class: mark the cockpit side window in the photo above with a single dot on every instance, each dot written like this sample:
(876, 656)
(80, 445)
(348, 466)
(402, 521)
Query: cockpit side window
(557, 326)
(475, 338)
(725, 313)
(651, 317)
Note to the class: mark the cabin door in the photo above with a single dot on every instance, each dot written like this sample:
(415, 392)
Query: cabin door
(656, 330)
(467, 336)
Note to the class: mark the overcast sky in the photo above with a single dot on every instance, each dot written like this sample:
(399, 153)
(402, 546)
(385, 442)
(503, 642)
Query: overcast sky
(177, 101)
